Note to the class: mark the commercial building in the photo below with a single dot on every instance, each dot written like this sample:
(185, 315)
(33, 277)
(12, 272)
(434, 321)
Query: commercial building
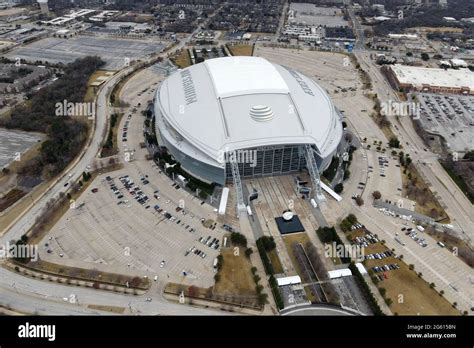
(411, 78)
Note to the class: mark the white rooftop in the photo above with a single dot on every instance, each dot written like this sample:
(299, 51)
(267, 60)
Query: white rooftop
(338, 273)
(244, 75)
(288, 280)
(233, 103)
(434, 77)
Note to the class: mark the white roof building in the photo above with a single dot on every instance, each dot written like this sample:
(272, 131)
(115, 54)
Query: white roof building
(441, 78)
(449, 19)
(458, 63)
(292, 280)
(338, 273)
(403, 36)
(231, 103)
(382, 18)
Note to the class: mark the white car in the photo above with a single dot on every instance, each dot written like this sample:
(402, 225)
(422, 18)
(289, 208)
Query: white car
(162, 264)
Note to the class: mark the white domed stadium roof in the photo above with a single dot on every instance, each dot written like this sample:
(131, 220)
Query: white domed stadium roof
(232, 103)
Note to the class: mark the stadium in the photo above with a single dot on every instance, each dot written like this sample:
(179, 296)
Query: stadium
(248, 112)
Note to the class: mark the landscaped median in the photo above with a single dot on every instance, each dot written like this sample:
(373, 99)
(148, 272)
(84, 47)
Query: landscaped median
(241, 49)
(52, 272)
(207, 297)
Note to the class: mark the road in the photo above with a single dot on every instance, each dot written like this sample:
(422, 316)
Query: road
(457, 206)
(34, 296)
(47, 298)
(358, 30)
(282, 21)
(448, 272)
(88, 156)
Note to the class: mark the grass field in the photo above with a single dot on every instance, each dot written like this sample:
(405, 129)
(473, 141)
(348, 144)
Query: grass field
(10, 198)
(240, 50)
(275, 260)
(182, 59)
(21, 206)
(90, 275)
(411, 295)
(289, 241)
(421, 206)
(90, 94)
(32, 152)
(235, 275)
(111, 309)
(459, 180)
(107, 152)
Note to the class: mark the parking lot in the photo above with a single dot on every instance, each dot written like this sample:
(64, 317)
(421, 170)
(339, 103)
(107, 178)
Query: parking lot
(112, 51)
(451, 116)
(126, 224)
(384, 176)
(137, 219)
(311, 14)
(15, 143)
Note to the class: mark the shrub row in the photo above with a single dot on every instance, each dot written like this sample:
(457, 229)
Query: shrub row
(366, 290)
(329, 235)
(261, 243)
(276, 293)
(263, 255)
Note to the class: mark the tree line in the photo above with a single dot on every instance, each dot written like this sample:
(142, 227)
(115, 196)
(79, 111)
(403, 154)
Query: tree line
(66, 135)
